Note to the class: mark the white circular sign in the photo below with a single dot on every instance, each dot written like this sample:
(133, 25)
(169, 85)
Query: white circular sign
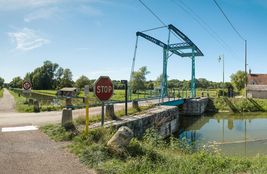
(27, 85)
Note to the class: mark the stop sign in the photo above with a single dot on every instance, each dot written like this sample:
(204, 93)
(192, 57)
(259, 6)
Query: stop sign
(103, 88)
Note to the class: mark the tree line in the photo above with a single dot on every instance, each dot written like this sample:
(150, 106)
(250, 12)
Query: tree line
(50, 76)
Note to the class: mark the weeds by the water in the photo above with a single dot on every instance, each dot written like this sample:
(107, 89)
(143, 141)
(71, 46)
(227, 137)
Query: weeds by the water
(151, 155)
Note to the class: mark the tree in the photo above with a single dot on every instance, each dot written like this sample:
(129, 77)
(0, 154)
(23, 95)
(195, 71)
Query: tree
(82, 81)
(158, 81)
(1, 82)
(173, 83)
(58, 77)
(239, 79)
(43, 77)
(139, 79)
(16, 82)
(203, 83)
(150, 85)
(66, 80)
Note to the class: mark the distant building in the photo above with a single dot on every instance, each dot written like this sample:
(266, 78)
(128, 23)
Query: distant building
(257, 85)
(67, 92)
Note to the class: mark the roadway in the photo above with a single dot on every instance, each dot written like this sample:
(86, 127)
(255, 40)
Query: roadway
(12, 118)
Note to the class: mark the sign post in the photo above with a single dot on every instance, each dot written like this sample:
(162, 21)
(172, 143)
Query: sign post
(86, 93)
(27, 86)
(103, 89)
(125, 82)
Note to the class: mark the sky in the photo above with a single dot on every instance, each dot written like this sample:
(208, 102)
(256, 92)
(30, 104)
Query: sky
(97, 37)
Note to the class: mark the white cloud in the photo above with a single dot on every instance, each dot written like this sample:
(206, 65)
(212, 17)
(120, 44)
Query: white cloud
(27, 39)
(88, 10)
(22, 4)
(43, 13)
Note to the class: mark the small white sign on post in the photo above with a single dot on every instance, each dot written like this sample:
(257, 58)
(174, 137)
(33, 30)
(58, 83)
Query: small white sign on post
(86, 90)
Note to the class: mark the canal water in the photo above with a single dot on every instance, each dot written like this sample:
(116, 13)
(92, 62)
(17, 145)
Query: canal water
(233, 134)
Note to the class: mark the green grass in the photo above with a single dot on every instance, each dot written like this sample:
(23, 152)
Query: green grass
(240, 104)
(151, 155)
(118, 94)
(46, 92)
(1, 92)
(23, 106)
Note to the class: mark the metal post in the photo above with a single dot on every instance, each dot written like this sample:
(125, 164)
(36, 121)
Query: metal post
(87, 115)
(193, 78)
(126, 98)
(102, 114)
(132, 69)
(125, 82)
(164, 85)
(246, 68)
(223, 76)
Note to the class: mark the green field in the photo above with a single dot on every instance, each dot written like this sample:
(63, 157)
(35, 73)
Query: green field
(22, 103)
(119, 94)
(49, 101)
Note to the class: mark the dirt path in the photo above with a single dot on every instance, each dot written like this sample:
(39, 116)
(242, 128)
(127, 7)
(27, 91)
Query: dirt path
(32, 152)
(7, 103)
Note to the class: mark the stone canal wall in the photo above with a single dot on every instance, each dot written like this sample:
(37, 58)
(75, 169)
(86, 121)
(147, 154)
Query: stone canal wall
(195, 106)
(164, 118)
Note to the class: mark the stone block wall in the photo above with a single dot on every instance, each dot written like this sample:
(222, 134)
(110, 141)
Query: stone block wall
(195, 106)
(164, 118)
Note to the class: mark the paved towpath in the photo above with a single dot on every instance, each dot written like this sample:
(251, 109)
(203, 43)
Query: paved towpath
(32, 152)
(7, 102)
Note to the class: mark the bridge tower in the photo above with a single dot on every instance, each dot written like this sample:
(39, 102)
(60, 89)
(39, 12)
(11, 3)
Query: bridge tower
(186, 48)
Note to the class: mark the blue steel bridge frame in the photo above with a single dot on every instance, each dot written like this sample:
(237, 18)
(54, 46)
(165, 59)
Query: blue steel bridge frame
(186, 48)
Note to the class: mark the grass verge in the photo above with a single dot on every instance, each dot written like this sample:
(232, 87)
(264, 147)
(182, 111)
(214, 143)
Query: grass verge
(21, 105)
(151, 154)
(1, 92)
(239, 104)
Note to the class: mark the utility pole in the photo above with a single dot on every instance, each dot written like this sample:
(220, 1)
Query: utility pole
(246, 80)
(222, 58)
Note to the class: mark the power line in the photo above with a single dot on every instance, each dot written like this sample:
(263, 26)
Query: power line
(203, 24)
(149, 9)
(158, 18)
(228, 20)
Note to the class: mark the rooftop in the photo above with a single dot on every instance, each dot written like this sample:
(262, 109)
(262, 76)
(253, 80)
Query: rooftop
(257, 79)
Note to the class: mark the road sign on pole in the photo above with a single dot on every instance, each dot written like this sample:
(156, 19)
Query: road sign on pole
(26, 85)
(86, 93)
(125, 82)
(103, 90)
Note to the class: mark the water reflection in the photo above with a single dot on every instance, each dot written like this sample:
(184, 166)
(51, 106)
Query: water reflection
(234, 134)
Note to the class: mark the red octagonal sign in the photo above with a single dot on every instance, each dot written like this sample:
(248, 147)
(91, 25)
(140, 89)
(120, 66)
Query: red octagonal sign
(103, 88)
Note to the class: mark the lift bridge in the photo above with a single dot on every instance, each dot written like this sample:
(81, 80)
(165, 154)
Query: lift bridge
(186, 48)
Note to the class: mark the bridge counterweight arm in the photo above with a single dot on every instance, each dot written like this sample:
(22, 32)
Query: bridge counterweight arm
(157, 42)
(152, 39)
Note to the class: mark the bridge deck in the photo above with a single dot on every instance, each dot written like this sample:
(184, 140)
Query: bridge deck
(174, 102)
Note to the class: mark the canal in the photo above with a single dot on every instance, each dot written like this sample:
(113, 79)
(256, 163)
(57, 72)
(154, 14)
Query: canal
(233, 134)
